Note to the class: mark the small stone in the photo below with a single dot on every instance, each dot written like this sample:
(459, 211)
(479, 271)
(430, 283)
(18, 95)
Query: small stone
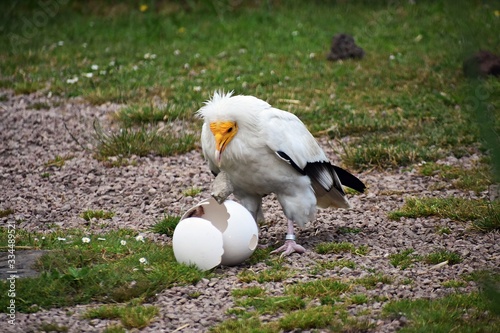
(345, 270)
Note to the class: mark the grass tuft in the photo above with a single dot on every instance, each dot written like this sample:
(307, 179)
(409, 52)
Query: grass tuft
(274, 274)
(97, 214)
(440, 256)
(192, 192)
(404, 259)
(485, 215)
(454, 283)
(166, 226)
(463, 312)
(476, 179)
(142, 142)
(114, 328)
(322, 289)
(332, 264)
(267, 305)
(371, 281)
(6, 212)
(148, 114)
(131, 316)
(332, 247)
(359, 299)
(58, 161)
(307, 319)
(52, 327)
(249, 292)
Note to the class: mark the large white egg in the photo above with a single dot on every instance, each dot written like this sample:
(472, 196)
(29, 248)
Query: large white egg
(210, 234)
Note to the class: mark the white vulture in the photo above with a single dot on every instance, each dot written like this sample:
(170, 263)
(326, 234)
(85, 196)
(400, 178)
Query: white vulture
(265, 150)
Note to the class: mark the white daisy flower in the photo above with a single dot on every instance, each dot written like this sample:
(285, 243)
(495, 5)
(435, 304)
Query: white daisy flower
(72, 80)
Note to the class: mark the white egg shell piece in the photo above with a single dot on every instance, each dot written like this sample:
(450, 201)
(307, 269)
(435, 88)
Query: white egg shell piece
(240, 233)
(196, 241)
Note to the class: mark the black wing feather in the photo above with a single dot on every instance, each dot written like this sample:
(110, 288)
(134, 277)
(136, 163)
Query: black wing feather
(317, 171)
(349, 180)
(288, 160)
(323, 173)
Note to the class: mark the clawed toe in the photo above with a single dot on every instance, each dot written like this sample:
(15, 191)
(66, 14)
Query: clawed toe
(288, 248)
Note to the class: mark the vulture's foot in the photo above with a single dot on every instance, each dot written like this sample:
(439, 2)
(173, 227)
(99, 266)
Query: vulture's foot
(221, 187)
(289, 247)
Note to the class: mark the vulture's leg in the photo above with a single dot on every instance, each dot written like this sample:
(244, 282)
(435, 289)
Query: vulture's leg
(290, 245)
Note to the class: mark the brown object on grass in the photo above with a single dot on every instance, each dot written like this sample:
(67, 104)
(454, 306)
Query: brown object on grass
(344, 47)
(482, 64)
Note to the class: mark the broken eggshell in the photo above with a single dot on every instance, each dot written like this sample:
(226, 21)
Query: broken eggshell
(210, 234)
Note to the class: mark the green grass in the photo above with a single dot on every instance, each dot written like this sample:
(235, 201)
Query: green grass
(58, 161)
(476, 179)
(295, 308)
(454, 284)
(192, 192)
(440, 256)
(114, 328)
(404, 259)
(443, 230)
(323, 265)
(52, 327)
(484, 215)
(81, 268)
(323, 289)
(141, 142)
(166, 226)
(312, 318)
(248, 291)
(359, 299)
(298, 309)
(266, 305)
(371, 281)
(131, 316)
(97, 214)
(455, 312)
(149, 114)
(274, 274)
(332, 247)
(405, 102)
(6, 212)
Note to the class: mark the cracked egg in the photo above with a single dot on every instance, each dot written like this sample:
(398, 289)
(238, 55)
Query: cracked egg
(210, 234)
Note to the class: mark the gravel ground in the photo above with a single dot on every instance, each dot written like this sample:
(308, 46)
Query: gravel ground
(140, 194)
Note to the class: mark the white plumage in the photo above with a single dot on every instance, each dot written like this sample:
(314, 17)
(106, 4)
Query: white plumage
(265, 150)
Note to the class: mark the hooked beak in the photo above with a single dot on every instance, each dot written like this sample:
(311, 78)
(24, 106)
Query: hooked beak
(218, 157)
(223, 133)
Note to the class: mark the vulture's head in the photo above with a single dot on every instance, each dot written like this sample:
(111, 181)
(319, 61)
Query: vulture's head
(230, 116)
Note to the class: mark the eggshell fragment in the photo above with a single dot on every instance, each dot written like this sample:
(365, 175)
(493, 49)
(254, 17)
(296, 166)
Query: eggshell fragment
(196, 241)
(233, 222)
(241, 236)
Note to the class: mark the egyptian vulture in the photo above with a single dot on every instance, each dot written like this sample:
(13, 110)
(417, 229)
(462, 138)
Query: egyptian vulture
(265, 150)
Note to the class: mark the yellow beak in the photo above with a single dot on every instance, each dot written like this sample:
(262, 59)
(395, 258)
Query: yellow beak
(223, 132)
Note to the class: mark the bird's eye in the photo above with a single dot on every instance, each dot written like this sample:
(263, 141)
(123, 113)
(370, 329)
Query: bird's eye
(230, 129)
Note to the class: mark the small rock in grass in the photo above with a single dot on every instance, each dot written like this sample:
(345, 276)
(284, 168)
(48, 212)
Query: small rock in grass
(482, 64)
(344, 47)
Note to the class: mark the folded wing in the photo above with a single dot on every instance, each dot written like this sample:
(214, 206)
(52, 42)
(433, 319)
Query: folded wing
(288, 137)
